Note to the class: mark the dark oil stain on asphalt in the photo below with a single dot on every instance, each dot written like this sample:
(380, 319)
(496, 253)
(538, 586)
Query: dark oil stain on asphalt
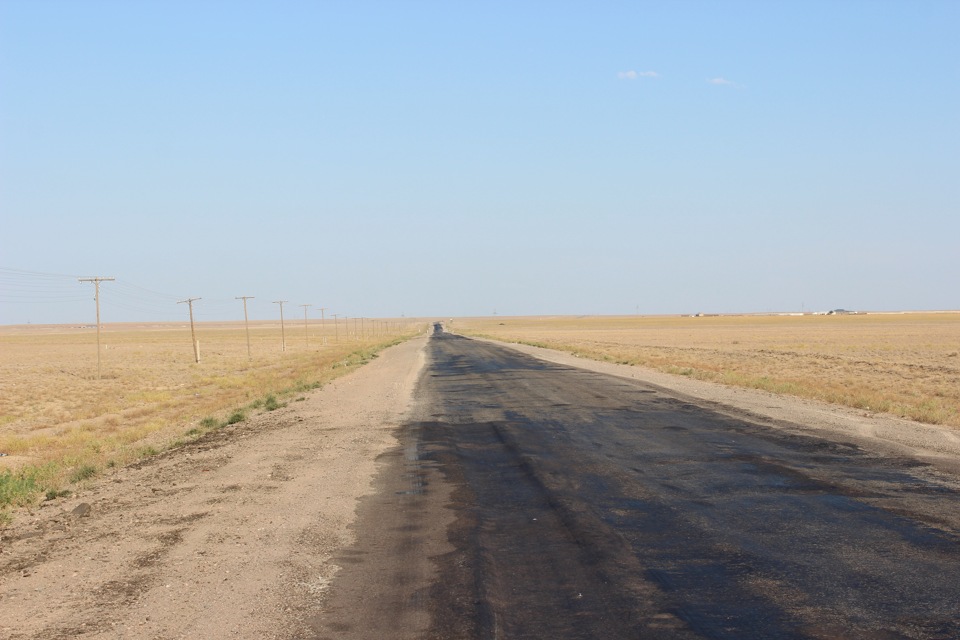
(579, 505)
(595, 507)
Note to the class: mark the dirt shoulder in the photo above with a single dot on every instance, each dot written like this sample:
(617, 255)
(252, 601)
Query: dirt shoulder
(936, 445)
(228, 537)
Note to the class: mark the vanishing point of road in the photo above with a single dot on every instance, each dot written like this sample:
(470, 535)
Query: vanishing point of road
(534, 500)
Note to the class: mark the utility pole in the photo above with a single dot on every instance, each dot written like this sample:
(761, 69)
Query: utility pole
(355, 334)
(96, 283)
(336, 327)
(322, 321)
(306, 331)
(283, 338)
(193, 333)
(246, 322)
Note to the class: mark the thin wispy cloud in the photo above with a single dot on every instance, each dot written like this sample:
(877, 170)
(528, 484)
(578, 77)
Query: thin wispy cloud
(633, 75)
(723, 82)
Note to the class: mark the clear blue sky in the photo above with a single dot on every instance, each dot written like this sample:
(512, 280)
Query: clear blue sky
(448, 158)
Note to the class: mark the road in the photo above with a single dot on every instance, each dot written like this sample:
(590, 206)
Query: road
(535, 500)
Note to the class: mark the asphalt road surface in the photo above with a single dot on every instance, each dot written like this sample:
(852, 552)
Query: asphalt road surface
(534, 500)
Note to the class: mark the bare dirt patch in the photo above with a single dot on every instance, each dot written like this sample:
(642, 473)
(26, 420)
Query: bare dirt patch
(231, 535)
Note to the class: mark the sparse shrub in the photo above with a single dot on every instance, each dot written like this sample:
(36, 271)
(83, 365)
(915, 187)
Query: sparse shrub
(53, 494)
(15, 487)
(147, 451)
(270, 404)
(83, 472)
(209, 423)
(236, 416)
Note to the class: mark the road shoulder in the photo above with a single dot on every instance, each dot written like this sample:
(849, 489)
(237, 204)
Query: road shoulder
(230, 536)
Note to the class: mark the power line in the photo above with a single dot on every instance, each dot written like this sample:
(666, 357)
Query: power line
(246, 322)
(193, 334)
(96, 280)
(306, 330)
(283, 337)
(322, 324)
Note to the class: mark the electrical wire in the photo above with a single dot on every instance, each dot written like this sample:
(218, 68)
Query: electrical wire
(22, 287)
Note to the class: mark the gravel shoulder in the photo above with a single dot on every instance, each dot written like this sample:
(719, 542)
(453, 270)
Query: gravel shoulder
(231, 536)
(935, 445)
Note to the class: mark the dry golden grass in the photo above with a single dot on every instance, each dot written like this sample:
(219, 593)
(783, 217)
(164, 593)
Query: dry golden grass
(56, 417)
(904, 364)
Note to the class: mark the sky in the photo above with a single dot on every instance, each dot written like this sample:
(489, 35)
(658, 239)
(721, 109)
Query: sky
(441, 158)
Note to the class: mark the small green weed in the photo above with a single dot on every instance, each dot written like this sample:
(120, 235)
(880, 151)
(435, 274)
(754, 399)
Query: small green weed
(83, 472)
(53, 494)
(303, 385)
(15, 488)
(236, 416)
(209, 423)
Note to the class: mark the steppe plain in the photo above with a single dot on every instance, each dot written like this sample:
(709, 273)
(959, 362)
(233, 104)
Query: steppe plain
(189, 515)
(904, 364)
(60, 424)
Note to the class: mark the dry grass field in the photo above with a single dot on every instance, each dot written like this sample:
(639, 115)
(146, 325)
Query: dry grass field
(59, 424)
(903, 364)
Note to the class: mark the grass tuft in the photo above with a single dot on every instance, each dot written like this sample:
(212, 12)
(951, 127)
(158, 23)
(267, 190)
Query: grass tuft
(271, 404)
(16, 488)
(83, 472)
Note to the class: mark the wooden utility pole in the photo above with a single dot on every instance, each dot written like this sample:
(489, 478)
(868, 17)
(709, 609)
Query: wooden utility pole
(336, 327)
(322, 323)
(306, 331)
(283, 338)
(96, 283)
(193, 333)
(246, 322)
